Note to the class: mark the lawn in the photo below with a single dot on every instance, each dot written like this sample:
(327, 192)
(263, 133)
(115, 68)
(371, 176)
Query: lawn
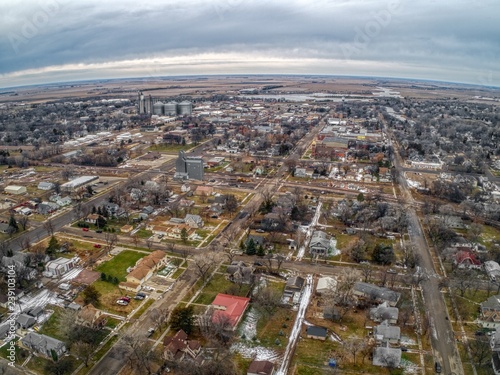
(177, 273)
(170, 148)
(314, 352)
(144, 307)
(268, 328)
(117, 266)
(144, 233)
(219, 284)
(21, 354)
(51, 326)
(109, 294)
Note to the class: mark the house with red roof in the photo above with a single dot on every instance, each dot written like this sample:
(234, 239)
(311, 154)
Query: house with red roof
(467, 259)
(231, 307)
(176, 347)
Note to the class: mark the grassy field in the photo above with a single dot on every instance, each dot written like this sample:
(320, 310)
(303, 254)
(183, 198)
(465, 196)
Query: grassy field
(51, 326)
(109, 294)
(144, 233)
(268, 328)
(117, 266)
(170, 148)
(218, 284)
(178, 272)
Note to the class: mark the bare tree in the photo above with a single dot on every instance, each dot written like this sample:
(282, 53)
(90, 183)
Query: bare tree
(217, 327)
(49, 226)
(149, 243)
(111, 240)
(266, 300)
(159, 316)
(204, 264)
(83, 350)
(354, 346)
(23, 220)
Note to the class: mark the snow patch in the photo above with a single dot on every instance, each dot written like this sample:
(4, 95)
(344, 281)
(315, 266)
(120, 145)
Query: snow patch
(258, 353)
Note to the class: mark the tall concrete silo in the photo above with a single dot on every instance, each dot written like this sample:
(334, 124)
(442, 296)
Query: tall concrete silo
(158, 108)
(170, 109)
(185, 108)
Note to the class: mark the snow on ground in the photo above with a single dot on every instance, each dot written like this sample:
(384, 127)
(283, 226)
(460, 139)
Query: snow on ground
(42, 299)
(335, 337)
(248, 327)
(309, 231)
(294, 335)
(258, 353)
(68, 276)
(409, 367)
(405, 340)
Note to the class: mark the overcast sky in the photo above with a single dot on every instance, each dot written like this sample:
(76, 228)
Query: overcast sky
(53, 41)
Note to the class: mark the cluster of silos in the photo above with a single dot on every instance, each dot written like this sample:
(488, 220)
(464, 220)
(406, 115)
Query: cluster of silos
(172, 108)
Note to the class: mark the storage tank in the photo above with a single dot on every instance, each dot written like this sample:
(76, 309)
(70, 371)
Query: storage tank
(184, 108)
(158, 108)
(170, 109)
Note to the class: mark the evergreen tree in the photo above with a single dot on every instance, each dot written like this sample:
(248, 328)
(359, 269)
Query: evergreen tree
(13, 224)
(184, 235)
(251, 249)
(260, 251)
(52, 247)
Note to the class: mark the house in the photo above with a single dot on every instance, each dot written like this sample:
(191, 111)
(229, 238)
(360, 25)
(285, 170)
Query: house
(59, 266)
(387, 333)
(294, 284)
(176, 347)
(495, 348)
(43, 185)
(25, 321)
(204, 191)
(326, 284)
(384, 312)
(376, 293)
(239, 272)
(127, 228)
(15, 189)
(91, 317)
(44, 345)
(4, 330)
(231, 307)
(490, 312)
(257, 240)
(317, 333)
(320, 244)
(385, 356)
(46, 208)
(92, 218)
(194, 221)
(492, 269)
(35, 311)
(144, 269)
(467, 259)
(261, 368)
(300, 172)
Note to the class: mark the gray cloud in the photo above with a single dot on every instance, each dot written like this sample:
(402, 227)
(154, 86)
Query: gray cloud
(448, 39)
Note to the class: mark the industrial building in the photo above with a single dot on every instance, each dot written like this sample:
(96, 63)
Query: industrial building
(15, 189)
(78, 182)
(155, 106)
(188, 167)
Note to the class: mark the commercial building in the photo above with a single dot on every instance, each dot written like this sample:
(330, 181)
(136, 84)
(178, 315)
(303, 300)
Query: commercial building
(188, 167)
(78, 182)
(15, 189)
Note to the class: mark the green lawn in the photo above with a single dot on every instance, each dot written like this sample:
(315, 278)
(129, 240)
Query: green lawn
(51, 326)
(117, 266)
(144, 307)
(21, 354)
(268, 328)
(219, 284)
(178, 272)
(144, 233)
(170, 148)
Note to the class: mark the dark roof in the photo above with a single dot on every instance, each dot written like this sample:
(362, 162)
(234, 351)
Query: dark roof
(317, 331)
(295, 282)
(261, 367)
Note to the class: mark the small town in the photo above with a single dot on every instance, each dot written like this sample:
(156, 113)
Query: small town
(255, 229)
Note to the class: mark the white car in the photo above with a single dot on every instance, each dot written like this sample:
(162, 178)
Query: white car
(122, 302)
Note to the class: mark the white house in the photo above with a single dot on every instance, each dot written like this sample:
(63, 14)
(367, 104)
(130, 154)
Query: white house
(59, 266)
(43, 185)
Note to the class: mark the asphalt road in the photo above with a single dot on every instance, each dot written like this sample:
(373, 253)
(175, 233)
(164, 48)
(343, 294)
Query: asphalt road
(442, 337)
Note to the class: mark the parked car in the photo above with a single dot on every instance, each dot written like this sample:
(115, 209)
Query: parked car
(97, 245)
(126, 299)
(404, 349)
(85, 229)
(437, 367)
(122, 302)
(150, 332)
(99, 231)
(140, 296)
